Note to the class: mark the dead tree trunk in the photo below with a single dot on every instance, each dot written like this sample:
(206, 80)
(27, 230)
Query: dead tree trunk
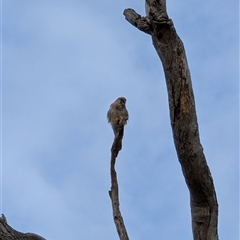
(8, 233)
(169, 47)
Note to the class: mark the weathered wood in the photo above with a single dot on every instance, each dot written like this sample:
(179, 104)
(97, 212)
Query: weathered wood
(113, 193)
(8, 233)
(169, 47)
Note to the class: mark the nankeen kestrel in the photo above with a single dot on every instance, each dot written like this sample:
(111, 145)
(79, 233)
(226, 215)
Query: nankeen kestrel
(117, 114)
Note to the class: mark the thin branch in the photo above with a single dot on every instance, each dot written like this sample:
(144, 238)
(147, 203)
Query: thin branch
(113, 193)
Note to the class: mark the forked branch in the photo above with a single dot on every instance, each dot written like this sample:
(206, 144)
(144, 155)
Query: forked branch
(169, 47)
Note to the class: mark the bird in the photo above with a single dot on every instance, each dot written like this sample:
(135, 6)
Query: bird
(117, 114)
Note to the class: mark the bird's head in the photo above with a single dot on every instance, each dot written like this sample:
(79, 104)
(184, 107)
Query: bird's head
(122, 100)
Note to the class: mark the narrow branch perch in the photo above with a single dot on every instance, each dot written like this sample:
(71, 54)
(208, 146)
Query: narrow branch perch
(113, 193)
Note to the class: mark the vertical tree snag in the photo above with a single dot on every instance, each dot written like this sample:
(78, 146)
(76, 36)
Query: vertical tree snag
(113, 193)
(169, 47)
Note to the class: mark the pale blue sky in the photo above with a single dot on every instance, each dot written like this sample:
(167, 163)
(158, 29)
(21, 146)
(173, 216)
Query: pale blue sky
(63, 64)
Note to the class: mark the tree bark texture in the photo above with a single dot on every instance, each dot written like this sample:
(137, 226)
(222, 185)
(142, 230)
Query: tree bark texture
(8, 233)
(113, 193)
(169, 47)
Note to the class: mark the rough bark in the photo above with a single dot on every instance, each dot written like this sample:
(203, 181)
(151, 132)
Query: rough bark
(113, 193)
(8, 233)
(169, 47)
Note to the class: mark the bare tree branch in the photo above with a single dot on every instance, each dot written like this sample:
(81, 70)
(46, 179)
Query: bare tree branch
(8, 233)
(113, 193)
(142, 23)
(169, 47)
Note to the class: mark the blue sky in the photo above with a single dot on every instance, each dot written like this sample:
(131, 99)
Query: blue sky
(63, 64)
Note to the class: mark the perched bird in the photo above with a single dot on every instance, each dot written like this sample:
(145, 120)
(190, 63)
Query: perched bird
(117, 114)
